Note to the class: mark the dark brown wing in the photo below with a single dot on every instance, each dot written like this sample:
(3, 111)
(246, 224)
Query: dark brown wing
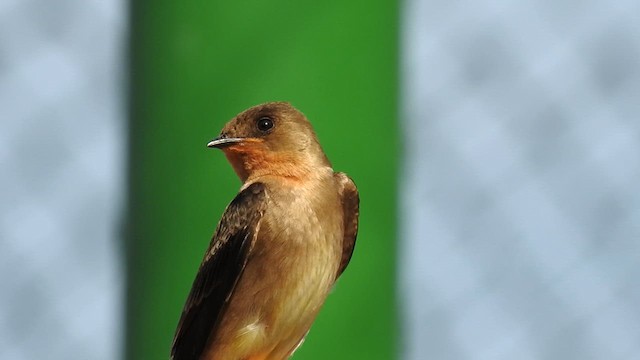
(219, 273)
(350, 207)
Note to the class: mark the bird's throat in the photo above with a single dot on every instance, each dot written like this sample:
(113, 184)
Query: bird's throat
(237, 161)
(251, 162)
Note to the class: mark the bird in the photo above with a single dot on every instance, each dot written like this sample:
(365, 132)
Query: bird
(280, 245)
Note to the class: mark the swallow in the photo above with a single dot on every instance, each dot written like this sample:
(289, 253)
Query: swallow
(279, 247)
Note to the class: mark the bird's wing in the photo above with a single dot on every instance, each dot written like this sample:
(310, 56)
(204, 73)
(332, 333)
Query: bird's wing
(219, 273)
(350, 208)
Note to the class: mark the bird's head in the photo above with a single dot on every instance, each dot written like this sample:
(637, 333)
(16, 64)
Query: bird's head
(270, 139)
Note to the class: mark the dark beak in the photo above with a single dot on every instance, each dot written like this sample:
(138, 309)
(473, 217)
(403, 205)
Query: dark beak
(223, 141)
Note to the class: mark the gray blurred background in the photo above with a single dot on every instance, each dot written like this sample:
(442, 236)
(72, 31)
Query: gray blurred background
(520, 203)
(62, 151)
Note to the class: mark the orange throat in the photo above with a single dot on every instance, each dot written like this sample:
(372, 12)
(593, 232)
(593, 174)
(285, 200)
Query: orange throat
(253, 160)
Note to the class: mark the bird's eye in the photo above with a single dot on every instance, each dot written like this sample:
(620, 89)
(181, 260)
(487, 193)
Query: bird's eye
(265, 124)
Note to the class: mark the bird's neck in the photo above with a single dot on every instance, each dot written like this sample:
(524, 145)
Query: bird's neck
(252, 164)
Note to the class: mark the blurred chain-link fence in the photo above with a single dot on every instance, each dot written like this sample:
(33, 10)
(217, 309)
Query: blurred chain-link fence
(61, 154)
(520, 192)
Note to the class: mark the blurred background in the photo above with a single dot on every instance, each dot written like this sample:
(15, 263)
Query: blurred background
(62, 179)
(496, 147)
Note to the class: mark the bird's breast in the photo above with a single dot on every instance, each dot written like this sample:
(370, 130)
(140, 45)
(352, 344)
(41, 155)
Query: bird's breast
(301, 244)
(291, 269)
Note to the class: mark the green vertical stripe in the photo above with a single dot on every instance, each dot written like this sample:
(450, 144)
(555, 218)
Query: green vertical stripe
(195, 65)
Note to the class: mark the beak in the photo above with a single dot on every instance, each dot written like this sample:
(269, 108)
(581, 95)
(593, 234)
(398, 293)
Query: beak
(223, 141)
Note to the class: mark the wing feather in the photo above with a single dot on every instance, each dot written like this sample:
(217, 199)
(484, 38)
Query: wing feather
(219, 273)
(350, 198)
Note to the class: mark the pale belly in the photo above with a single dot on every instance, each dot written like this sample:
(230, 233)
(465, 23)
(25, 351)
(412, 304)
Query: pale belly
(284, 285)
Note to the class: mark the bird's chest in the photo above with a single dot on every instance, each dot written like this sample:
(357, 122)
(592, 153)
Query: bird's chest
(298, 251)
(292, 266)
(301, 236)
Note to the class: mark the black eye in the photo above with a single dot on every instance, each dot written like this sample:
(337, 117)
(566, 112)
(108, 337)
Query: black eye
(265, 124)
